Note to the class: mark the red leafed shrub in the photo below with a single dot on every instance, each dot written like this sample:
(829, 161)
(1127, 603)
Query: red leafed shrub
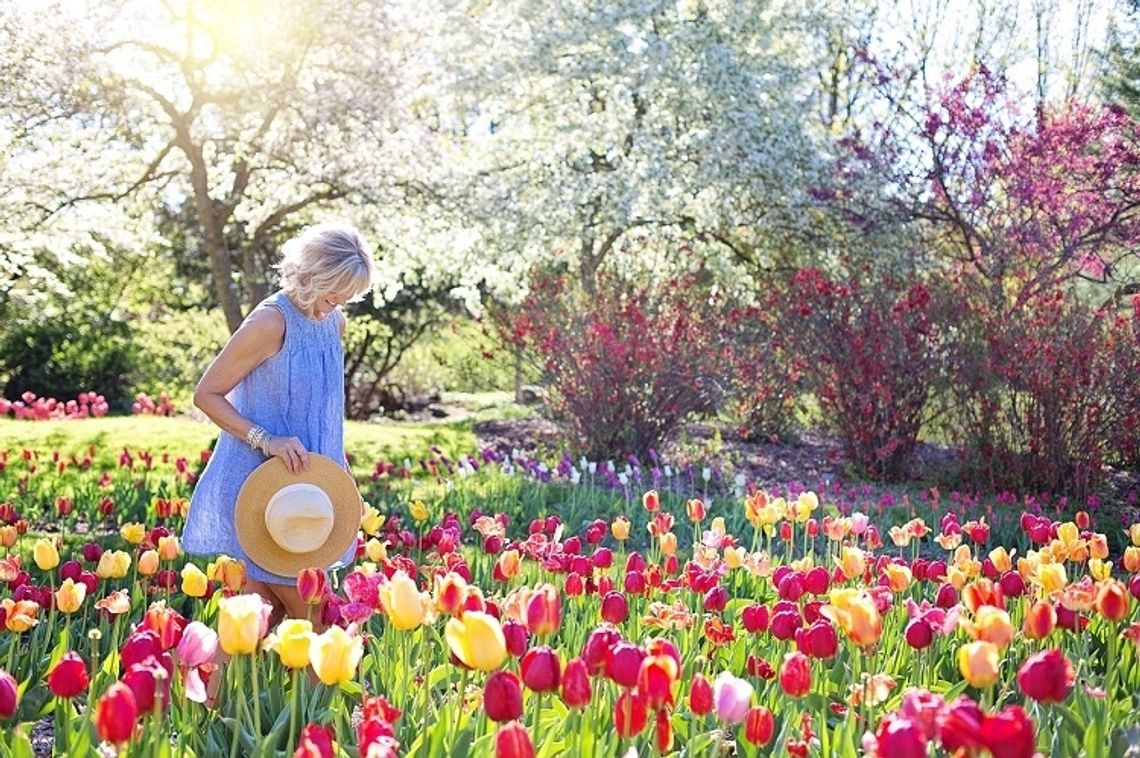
(628, 363)
(769, 376)
(875, 355)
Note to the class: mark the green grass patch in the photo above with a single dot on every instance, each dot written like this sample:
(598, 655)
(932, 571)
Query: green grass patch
(180, 435)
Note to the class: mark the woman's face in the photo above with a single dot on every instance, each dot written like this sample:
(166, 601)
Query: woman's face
(329, 301)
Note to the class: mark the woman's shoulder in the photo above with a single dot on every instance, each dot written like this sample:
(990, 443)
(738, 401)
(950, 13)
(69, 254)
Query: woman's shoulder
(266, 320)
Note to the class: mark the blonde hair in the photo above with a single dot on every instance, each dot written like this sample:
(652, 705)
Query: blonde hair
(329, 257)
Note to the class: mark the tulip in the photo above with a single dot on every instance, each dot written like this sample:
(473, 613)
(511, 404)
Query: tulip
(1112, 600)
(139, 645)
(1009, 733)
(19, 615)
(148, 563)
(759, 726)
(147, 679)
(477, 640)
(597, 648)
(856, 614)
(795, 674)
(615, 608)
(9, 695)
(732, 698)
(700, 695)
(695, 509)
(544, 611)
(68, 677)
(241, 623)
(405, 605)
(335, 654)
(715, 599)
(45, 554)
(918, 634)
(502, 697)
(620, 528)
(655, 680)
(1046, 677)
(316, 741)
(899, 737)
(540, 669)
(194, 581)
(293, 642)
(624, 663)
(576, 690)
(116, 714)
(992, 625)
(450, 594)
(651, 501)
(516, 636)
(113, 564)
(960, 726)
(513, 741)
(133, 532)
(818, 640)
(631, 714)
(1040, 620)
(979, 663)
(198, 645)
(851, 562)
(69, 597)
(225, 570)
(755, 618)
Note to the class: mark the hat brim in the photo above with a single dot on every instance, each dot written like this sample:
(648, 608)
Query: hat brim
(264, 482)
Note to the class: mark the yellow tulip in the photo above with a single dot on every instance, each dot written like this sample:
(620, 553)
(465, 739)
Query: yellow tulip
(1134, 533)
(668, 542)
(335, 655)
(419, 510)
(1099, 569)
(19, 615)
(1132, 559)
(133, 532)
(851, 562)
(375, 550)
(45, 554)
(856, 614)
(979, 662)
(148, 563)
(477, 640)
(405, 605)
(194, 582)
(292, 642)
(1001, 559)
(620, 528)
(1051, 577)
(241, 622)
(371, 522)
(734, 556)
(70, 595)
(805, 505)
(898, 576)
(113, 564)
(992, 625)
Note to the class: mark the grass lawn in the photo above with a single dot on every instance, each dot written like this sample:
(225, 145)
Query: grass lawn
(180, 435)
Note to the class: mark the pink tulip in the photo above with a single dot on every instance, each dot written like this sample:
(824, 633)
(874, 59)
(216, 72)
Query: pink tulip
(733, 698)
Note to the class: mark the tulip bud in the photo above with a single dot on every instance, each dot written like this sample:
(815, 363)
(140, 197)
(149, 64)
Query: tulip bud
(544, 611)
(541, 670)
(624, 663)
(755, 618)
(9, 695)
(733, 698)
(502, 697)
(513, 741)
(1047, 677)
(795, 675)
(631, 714)
(116, 714)
(312, 585)
(1040, 620)
(68, 677)
(516, 636)
(759, 726)
(918, 634)
(700, 695)
(615, 608)
(576, 691)
(1112, 600)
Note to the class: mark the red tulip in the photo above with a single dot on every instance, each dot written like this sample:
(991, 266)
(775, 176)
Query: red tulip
(1009, 734)
(795, 675)
(918, 634)
(624, 663)
(541, 670)
(755, 618)
(502, 697)
(166, 623)
(785, 623)
(1047, 677)
(631, 714)
(899, 737)
(544, 611)
(818, 640)
(603, 558)
(1112, 600)
(576, 692)
(615, 608)
(68, 677)
(715, 599)
(142, 644)
(574, 586)
(759, 726)
(655, 680)
(513, 741)
(1040, 620)
(144, 680)
(116, 714)
(947, 596)
(516, 636)
(9, 694)
(700, 695)
(759, 668)
(634, 582)
(960, 727)
(316, 742)
(791, 587)
(817, 581)
(596, 651)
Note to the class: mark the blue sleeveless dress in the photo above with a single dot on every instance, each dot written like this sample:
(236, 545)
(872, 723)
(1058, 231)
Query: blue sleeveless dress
(299, 392)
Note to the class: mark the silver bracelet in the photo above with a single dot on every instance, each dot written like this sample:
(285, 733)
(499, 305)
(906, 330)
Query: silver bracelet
(256, 437)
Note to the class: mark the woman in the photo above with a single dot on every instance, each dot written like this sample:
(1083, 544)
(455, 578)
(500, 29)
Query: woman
(277, 389)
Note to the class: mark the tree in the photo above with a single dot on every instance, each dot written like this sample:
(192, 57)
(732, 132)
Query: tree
(256, 115)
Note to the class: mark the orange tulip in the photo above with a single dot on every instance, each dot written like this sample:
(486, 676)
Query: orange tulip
(856, 614)
(1040, 620)
(1112, 600)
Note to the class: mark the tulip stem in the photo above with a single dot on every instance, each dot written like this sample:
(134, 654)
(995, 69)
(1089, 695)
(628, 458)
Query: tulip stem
(62, 733)
(256, 697)
(231, 673)
(293, 712)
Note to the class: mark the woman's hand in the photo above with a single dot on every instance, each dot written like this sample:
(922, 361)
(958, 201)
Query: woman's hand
(291, 452)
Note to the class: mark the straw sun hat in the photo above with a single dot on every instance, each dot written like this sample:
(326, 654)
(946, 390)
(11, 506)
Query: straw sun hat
(287, 523)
